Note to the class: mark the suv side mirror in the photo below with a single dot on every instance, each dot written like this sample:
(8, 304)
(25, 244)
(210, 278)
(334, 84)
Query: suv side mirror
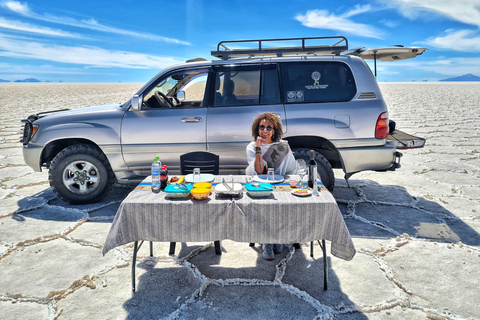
(181, 95)
(136, 102)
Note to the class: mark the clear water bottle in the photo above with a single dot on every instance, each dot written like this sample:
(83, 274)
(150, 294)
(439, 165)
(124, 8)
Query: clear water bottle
(156, 165)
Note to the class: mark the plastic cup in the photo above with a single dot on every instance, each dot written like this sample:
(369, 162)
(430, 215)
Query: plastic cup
(196, 175)
(293, 183)
(270, 174)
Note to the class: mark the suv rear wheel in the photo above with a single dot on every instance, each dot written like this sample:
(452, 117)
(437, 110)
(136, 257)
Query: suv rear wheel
(81, 174)
(324, 168)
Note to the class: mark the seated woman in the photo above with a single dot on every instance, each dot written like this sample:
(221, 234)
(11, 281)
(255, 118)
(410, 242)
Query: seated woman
(269, 151)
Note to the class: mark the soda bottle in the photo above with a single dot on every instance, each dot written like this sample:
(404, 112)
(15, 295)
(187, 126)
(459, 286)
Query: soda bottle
(163, 177)
(312, 169)
(156, 174)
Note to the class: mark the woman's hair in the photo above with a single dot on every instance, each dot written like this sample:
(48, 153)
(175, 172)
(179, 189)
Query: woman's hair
(274, 119)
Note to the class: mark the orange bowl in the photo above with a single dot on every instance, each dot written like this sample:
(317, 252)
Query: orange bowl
(200, 193)
(202, 185)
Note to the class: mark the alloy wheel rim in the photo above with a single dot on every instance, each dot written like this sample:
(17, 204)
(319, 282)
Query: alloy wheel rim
(81, 177)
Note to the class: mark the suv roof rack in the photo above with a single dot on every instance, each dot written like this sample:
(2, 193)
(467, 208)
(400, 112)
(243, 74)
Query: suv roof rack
(258, 48)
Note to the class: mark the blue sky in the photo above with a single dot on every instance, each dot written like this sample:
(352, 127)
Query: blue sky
(131, 41)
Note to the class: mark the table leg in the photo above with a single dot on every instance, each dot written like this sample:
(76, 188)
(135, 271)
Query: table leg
(136, 247)
(134, 262)
(218, 249)
(172, 248)
(325, 264)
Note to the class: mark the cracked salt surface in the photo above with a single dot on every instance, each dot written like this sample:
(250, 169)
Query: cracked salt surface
(416, 231)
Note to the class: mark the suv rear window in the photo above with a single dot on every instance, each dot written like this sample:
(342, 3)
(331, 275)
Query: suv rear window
(305, 82)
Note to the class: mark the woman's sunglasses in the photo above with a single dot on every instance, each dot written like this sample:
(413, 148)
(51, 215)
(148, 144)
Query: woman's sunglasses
(261, 128)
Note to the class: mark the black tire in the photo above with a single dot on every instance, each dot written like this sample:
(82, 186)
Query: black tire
(324, 168)
(81, 174)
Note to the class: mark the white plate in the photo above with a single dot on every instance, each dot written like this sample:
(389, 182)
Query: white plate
(301, 192)
(263, 178)
(204, 177)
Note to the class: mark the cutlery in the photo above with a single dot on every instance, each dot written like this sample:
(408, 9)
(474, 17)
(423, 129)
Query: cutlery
(226, 185)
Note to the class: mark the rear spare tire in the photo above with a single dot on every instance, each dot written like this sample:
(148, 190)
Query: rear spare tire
(324, 168)
(81, 174)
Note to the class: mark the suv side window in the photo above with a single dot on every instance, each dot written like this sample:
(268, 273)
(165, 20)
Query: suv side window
(320, 81)
(249, 85)
(184, 88)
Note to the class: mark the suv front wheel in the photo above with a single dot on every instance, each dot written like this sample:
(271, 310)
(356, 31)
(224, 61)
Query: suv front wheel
(324, 168)
(81, 174)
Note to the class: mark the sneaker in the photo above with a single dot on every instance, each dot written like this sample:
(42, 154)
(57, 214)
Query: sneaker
(268, 252)
(278, 248)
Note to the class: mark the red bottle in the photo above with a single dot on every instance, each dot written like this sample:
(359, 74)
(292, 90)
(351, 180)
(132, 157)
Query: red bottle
(163, 177)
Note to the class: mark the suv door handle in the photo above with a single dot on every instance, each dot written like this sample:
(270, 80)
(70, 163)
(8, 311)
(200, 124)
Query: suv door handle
(191, 119)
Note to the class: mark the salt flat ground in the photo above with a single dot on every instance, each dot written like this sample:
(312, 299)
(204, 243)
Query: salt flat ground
(416, 231)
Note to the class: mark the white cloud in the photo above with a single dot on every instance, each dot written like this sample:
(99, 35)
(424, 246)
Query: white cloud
(358, 9)
(31, 28)
(322, 19)
(390, 23)
(16, 6)
(434, 69)
(465, 11)
(452, 66)
(88, 56)
(91, 24)
(456, 40)
(26, 70)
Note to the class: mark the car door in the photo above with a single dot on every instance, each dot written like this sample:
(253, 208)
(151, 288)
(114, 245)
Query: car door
(170, 128)
(239, 93)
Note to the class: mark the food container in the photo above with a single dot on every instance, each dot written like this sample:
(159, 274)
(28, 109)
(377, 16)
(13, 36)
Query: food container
(175, 190)
(229, 188)
(207, 185)
(200, 193)
(259, 190)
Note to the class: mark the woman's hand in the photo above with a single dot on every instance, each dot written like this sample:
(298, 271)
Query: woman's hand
(260, 141)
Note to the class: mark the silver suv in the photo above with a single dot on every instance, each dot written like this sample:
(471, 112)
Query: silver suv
(328, 100)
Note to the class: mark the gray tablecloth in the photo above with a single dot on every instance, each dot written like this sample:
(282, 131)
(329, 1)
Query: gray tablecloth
(281, 218)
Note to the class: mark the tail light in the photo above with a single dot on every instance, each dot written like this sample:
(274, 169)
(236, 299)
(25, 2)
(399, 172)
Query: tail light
(382, 128)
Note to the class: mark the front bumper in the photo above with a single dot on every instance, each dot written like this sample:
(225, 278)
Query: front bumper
(32, 155)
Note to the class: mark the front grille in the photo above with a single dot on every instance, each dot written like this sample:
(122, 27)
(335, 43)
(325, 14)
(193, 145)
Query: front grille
(367, 96)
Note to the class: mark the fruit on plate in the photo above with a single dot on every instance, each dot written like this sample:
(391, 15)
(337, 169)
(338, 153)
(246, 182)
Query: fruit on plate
(301, 192)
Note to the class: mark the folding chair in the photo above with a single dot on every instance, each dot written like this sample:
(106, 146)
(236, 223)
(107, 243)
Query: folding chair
(208, 163)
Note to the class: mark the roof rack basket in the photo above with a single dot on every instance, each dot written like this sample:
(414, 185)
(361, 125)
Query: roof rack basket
(260, 47)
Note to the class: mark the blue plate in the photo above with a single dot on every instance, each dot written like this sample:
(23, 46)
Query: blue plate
(263, 178)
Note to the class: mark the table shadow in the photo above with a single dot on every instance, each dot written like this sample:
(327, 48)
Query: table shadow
(217, 292)
(372, 210)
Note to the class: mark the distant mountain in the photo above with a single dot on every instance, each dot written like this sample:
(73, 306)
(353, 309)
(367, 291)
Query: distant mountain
(1, 80)
(28, 80)
(465, 77)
